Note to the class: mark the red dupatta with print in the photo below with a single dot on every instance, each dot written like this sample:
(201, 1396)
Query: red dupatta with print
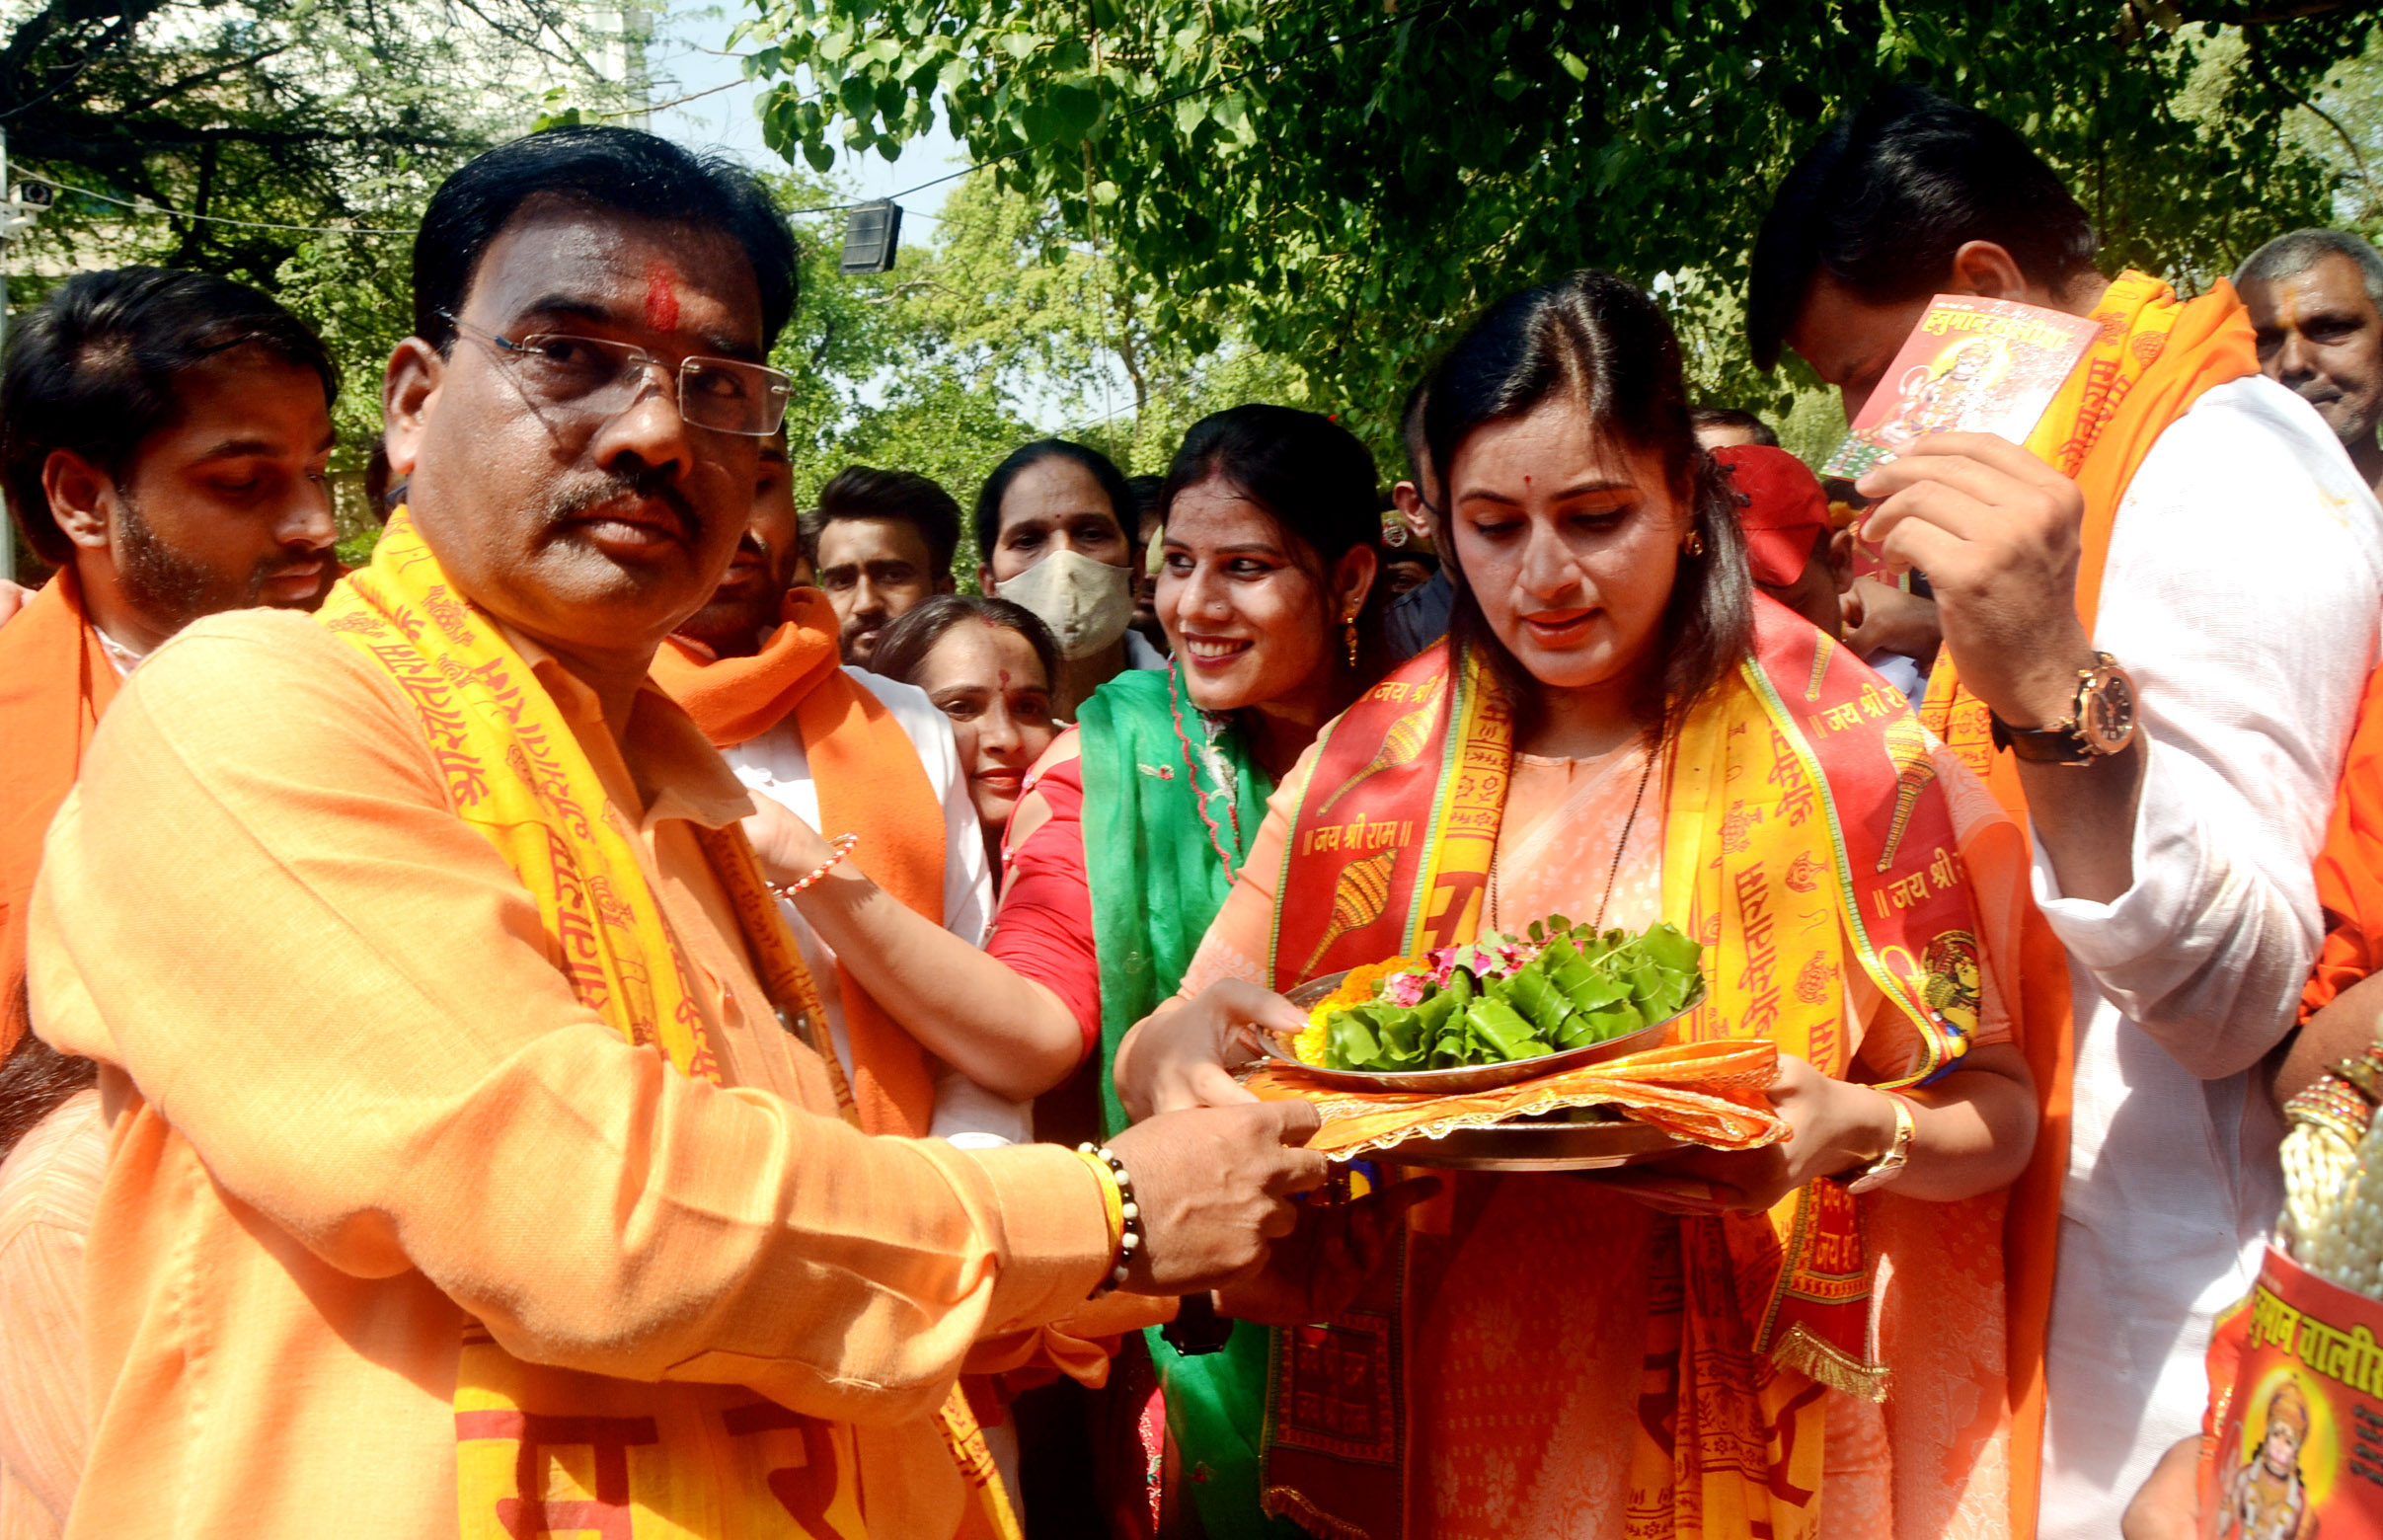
(1805, 836)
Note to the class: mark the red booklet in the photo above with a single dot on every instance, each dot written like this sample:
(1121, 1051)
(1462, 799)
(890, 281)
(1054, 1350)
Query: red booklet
(1970, 366)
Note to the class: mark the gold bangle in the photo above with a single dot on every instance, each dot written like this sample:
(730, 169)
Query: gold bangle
(1890, 1165)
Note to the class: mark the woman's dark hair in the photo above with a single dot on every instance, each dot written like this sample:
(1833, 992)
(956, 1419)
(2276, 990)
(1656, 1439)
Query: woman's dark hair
(1113, 486)
(617, 169)
(1598, 343)
(92, 369)
(903, 646)
(1886, 195)
(1312, 477)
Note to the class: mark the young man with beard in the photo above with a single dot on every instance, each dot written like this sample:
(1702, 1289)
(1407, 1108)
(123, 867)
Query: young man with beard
(164, 444)
(471, 1168)
(2112, 665)
(882, 543)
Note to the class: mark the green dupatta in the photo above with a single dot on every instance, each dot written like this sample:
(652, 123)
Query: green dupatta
(1156, 882)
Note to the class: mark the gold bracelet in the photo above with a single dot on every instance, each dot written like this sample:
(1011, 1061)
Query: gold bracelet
(1890, 1165)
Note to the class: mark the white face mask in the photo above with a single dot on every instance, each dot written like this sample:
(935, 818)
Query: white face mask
(1086, 603)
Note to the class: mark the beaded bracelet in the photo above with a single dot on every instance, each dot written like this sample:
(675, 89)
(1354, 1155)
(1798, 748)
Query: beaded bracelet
(840, 847)
(1128, 1213)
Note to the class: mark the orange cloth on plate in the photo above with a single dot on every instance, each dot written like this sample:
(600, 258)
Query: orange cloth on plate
(55, 681)
(2156, 355)
(1520, 1373)
(1708, 1092)
(870, 784)
(354, 1099)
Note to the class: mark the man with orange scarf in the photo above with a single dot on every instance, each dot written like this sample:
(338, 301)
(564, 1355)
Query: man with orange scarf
(2165, 702)
(163, 445)
(473, 1168)
(849, 752)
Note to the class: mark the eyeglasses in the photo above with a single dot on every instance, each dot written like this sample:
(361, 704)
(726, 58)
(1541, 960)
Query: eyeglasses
(603, 378)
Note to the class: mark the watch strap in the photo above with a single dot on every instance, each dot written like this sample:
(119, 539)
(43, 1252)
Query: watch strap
(1197, 1329)
(2062, 743)
(1890, 1165)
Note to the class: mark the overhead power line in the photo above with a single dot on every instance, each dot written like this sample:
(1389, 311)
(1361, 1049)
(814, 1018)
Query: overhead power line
(160, 211)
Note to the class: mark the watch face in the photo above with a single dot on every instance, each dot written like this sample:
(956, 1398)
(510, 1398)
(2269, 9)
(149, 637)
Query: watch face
(2106, 715)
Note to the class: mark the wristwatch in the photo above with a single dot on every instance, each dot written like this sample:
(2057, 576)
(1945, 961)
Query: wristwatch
(1197, 1327)
(2101, 722)
(1887, 1166)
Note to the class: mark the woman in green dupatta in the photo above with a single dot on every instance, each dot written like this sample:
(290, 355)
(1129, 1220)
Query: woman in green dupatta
(1136, 823)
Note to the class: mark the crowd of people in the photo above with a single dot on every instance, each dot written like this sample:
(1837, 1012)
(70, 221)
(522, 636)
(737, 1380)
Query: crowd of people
(646, 1011)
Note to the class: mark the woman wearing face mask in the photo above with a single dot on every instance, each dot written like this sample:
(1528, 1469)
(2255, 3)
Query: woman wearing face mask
(1618, 728)
(1137, 820)
(1052, 521)
(988, 666)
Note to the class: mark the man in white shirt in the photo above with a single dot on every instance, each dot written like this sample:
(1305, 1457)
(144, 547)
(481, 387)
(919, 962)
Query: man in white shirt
(2231, 561)
(757, 651)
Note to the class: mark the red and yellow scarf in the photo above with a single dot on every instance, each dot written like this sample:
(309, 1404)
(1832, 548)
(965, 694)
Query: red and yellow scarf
(1805, 836)
(518, 775)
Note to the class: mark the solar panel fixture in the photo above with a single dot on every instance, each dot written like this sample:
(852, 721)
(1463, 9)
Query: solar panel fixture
(873, 234)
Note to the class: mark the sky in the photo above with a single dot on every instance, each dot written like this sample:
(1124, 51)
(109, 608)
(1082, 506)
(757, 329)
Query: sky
(688, 54)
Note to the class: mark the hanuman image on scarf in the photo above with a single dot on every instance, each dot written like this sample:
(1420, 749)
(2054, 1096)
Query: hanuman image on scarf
(2263, 1497)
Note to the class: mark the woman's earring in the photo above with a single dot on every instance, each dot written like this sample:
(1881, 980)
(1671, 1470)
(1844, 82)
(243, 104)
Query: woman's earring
(1694, 545)
(1350, 620)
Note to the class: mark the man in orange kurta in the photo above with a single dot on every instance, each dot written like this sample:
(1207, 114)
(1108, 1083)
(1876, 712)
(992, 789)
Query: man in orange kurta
(164, 442)
(471, 1168)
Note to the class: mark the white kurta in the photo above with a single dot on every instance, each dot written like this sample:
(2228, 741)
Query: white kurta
(2244, 592)
(775, 766)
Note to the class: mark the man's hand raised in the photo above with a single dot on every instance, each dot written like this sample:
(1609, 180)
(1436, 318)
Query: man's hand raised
(1215, 1188)
(1996, 531)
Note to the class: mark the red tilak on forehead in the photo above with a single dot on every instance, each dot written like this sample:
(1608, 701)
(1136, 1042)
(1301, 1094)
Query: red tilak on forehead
(1005, 678)
(662, 298)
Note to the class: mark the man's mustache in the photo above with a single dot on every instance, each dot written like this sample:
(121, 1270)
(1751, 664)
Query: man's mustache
(589, 492)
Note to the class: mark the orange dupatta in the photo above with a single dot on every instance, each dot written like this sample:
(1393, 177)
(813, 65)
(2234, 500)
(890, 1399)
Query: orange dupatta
(2155, 357)
(870, 783)
(55, 680)
(2349, 869)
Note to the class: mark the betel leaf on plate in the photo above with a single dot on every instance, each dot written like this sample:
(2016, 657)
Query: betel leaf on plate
(1504, 998)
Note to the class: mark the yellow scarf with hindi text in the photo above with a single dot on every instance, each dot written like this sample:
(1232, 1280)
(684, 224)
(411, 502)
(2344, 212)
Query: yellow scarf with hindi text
(550, 1450)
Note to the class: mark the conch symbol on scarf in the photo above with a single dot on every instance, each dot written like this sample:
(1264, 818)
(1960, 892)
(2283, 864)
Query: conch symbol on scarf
(1360, 898)
(1405, 741)
(1907, 747)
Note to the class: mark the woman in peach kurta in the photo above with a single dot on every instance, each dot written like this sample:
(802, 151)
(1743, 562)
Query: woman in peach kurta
(1542, 1389)
(1532, 1348)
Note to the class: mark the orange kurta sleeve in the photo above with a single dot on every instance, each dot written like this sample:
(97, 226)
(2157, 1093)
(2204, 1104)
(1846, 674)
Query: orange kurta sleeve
(259, 907)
